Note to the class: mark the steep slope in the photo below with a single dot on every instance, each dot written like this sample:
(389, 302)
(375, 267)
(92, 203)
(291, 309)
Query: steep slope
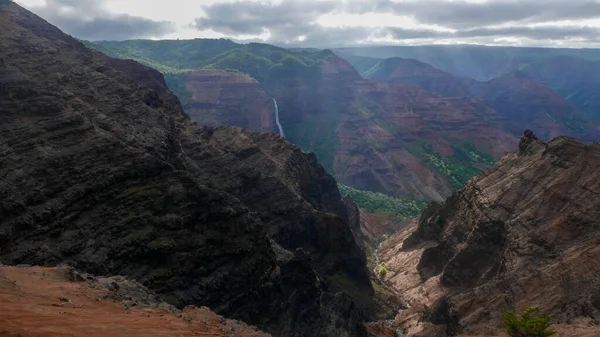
(59, 301)
(398, 138)
(525, 233)
(150, 79)
(106, 174)
(520, 102)
(217, 98)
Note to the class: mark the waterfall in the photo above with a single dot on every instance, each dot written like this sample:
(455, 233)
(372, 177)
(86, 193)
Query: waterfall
(277, 119)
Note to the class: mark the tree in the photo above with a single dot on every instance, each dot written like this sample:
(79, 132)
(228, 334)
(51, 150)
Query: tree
(529, 324)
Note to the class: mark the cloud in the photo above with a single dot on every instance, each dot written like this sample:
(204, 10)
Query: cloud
(251, 18)
(89, 20)
(333, 23)
(296, 22)
(290, 22)
(468, 14)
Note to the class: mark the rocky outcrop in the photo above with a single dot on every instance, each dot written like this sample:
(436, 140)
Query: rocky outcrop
(104, 173)
(523, 234)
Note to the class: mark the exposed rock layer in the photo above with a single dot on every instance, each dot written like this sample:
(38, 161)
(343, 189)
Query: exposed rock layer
(525, 233)
(217, 98)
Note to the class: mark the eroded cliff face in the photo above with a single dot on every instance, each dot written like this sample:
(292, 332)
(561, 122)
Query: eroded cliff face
(99, 169)
(525, 233)
(225, 98)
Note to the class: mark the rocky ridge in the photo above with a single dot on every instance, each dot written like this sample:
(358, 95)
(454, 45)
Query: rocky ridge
(106, 174)
(524, 233)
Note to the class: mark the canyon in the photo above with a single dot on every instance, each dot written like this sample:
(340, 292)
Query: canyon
(376, 132)
(169, 201)
(371, 135)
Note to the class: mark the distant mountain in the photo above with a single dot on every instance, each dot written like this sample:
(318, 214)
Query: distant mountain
(572, 73)
(519, 101)
(576, 79)
(478, 62)
(373, 135)
(362, 63)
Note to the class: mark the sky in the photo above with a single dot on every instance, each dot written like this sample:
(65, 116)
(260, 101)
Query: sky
(332, 23)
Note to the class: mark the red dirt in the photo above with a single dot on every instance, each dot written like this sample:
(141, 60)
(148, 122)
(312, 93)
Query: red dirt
(41, 302)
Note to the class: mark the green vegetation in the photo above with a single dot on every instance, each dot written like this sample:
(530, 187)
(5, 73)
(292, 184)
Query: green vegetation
(258, 60)
(375, 202)
(529, 324)
(457, 172)
(459, 168)
(382, 271)
(3, 2)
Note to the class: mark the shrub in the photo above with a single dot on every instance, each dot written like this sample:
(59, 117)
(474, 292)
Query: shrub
(382, 271)
(529, 324)
(375, 202)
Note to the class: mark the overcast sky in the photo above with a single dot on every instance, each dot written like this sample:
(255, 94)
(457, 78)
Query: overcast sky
(332, 23)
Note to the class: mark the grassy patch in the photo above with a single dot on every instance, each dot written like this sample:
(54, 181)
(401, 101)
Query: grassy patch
(459, 168)
(375, 202)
